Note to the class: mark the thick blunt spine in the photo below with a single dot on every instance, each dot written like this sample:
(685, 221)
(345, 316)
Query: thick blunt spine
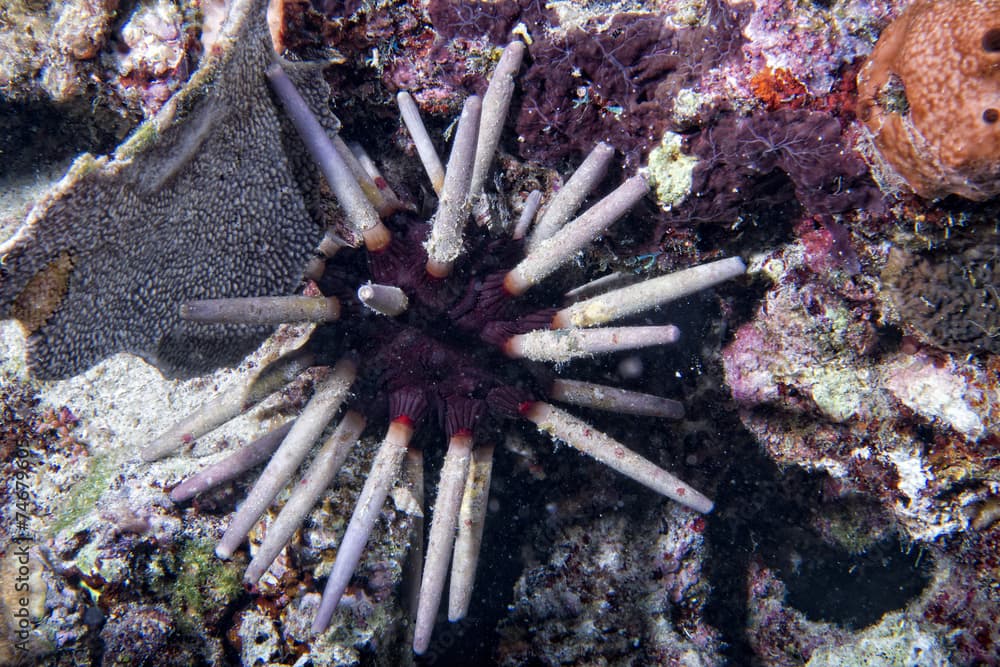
(560, 248)
(471, 521)
(496, 104)
(229, 404)
(385, 201)
(570, 196)
(584, 437)
(531, 205)
(444, 245)
(318, 412)
(383, 205)
(386, 300)
(306, 492)
(565, 344)
(263, 310)
(442, 537)
(381, 477)
(413, 504)
(600, 285)
(647, 294)
(357, 207)
(614, 399)
(232, 466)
(422, 140)
(329, 245)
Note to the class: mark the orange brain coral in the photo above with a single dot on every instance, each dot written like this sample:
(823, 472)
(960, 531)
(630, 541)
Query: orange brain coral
(930, 95)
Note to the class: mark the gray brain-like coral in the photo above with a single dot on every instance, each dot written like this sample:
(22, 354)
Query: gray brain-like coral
(205, 200)
(951, 302)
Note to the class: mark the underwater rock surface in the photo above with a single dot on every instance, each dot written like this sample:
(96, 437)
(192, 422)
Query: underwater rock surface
(849, 433)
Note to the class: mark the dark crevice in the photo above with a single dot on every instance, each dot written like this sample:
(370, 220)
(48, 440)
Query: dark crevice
(856, 590)
(771, 516)
(35, 134)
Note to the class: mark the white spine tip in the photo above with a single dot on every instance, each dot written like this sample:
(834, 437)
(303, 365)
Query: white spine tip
(386, 300)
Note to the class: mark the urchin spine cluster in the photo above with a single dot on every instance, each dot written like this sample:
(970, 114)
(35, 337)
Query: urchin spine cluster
(574, 331)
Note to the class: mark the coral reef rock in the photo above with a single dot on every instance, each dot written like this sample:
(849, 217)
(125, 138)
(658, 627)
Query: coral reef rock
(914, 428)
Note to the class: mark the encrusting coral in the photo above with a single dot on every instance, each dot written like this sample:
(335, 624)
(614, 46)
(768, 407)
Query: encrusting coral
(221, 129)
(930, 96)
(951, 302)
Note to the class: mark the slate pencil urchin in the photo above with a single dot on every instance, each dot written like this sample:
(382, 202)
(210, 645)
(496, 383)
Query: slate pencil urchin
(435, 326)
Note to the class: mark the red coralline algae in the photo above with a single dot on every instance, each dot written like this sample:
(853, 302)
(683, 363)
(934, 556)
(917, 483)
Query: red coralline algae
(930, 96)
(778, 88)
(827, 245)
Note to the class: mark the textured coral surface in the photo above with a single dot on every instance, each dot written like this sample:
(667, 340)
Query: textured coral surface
(848, 432)
(159, 188)
(949, 301)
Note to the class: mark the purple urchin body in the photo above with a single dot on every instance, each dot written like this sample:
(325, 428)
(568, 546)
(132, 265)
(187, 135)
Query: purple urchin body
(445, 342)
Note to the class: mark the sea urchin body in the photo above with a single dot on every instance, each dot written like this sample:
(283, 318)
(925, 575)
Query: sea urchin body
(438, 326)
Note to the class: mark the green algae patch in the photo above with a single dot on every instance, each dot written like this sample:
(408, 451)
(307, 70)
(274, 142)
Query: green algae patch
(83, 496)
(84, 165)
(144, 136)
(204, 582)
